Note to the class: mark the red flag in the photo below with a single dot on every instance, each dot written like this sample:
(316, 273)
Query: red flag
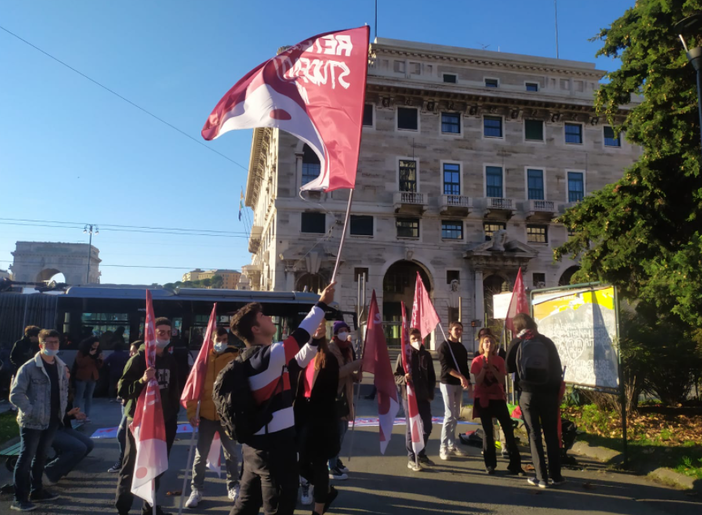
(424, 316)
(196, 379)
(148, 427)
(376, 360)
(519, 302)
(413, 418)
(314, 90)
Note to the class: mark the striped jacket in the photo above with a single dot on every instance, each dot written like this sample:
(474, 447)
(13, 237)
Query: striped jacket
(269, 369)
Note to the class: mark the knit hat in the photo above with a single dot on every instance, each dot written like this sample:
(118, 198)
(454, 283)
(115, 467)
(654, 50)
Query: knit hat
(338, 325)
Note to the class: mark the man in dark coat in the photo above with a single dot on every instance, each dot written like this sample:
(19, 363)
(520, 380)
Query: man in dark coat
(26, 348)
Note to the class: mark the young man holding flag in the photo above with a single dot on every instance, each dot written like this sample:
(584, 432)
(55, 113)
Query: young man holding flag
(137, 376)
(218, 355)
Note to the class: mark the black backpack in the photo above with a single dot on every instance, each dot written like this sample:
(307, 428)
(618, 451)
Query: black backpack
(533, 362)
(239, 413)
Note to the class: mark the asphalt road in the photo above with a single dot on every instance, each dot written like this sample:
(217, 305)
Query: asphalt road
(383, 484)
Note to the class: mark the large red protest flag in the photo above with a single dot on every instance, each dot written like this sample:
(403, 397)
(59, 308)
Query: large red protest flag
(314, 90)
(414, 421)
(376, 360)
(196, 378)
(147, 427)
(519, 303)
(424, 316)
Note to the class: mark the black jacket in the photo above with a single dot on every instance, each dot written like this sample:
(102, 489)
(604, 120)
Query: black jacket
(447, 363)
(554, 361)
(422, 372)
(23, 351)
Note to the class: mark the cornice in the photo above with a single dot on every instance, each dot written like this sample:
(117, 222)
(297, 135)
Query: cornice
(257, 164)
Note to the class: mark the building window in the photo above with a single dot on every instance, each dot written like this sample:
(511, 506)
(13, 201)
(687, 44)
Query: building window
(535, 184)
(452, 179)
(361, 225)
(491, 228)
(576, 186)
(532, 86)
(491, 83)
(408, 175)
(492, 126)
(368, 115)
(310, 165)
(357, 272)
(408, 228)
(493, 180)
(313, 222)
(453, 315)
(450, 123)
(407, 118)
(538, 280)
(451, 230)
(450, 78)
(609, 139)
(537, 233)
(453, 275)
(534, 130)
(574, 133)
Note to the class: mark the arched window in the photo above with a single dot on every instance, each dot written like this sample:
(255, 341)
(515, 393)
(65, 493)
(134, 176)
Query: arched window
(310, 165)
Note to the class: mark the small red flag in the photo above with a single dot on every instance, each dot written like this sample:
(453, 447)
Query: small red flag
(196, 378)
(413, 419)
(519, 302)
(424, 316)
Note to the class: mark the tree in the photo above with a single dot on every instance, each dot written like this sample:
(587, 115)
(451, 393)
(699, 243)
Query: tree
(642, 233)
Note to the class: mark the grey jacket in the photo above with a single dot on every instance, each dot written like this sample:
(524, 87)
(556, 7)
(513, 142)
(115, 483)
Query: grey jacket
(31, 393)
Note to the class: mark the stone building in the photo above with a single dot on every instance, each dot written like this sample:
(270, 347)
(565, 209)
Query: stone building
(467, 157)
(37, 261)
(230, 278)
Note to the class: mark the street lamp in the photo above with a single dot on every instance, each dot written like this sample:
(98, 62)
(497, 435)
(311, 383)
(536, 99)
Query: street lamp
(692, 26)
(91, 229)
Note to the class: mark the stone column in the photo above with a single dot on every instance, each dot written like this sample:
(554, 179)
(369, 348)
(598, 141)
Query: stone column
(479, 301)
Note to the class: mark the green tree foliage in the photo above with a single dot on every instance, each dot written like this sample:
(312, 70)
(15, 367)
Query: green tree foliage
(643, 232)
(217, 281)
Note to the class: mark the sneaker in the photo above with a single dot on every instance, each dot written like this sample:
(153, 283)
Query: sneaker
(424, 460)
(341, 466)
(307, 494)
(444, 455)
(535, 482)
(456, 451)
(43, 495)
(115, 468)
(233, 493)
(194, 499)
(414, 466)
(490, 471)
(337, 475)
(23, 506)
(557, 482)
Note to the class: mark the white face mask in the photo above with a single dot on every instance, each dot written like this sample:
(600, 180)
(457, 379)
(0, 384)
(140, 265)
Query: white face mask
(343, 335)
(49, 352)
(219, 347)
(162, 344)
(416, 345)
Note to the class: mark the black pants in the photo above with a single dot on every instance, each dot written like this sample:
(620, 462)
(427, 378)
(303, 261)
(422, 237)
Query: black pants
(124, 497)
(541, 411)
(498, 409)
(424, 407)
(269, 479)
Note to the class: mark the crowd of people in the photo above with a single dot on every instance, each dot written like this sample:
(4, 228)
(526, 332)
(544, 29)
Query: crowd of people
(301, 392)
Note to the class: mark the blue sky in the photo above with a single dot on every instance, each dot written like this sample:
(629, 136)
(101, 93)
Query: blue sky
(70, 151)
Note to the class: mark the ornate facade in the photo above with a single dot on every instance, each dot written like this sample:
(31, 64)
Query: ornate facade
(35, 261)
(467, 158)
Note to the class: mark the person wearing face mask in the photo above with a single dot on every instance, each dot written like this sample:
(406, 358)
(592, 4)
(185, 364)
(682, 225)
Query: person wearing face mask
(208, 423)
(130, 386)
(423, 379)
(40, 393)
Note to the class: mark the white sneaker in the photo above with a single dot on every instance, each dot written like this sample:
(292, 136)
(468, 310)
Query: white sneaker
(194, 499)
(234, 492)
(307, 494)
(456, 451)
(444, 455)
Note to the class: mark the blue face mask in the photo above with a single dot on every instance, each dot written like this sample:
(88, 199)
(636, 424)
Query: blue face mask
(49, 352)
(219, 347)
(162, 344)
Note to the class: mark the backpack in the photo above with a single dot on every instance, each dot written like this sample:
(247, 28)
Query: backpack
(239, 413)
(533, 362)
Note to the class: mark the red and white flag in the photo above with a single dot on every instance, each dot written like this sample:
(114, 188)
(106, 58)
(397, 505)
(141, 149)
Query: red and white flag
(376, 360)
(147, 427)
(519, 303)
(424, 316)
(214, 457)
(413, 418)
(196, 379)
(314, 90)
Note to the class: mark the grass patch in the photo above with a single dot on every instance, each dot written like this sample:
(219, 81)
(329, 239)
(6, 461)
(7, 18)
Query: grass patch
(8, 426)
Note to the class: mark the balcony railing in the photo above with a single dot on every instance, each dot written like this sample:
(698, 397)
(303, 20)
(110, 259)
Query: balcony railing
(457, 204)
(500, 203)
(409, 197)
(542, 205)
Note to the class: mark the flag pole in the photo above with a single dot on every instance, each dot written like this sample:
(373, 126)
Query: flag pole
(188, 464)
(343, 236)
(452, 354)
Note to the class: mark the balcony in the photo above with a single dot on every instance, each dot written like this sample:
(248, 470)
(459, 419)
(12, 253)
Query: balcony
(255, 238)
(408, 202)
(539, 209)
(455, 205)
(499, 208)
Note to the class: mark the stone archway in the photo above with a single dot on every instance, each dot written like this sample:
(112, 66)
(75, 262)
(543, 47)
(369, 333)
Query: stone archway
(48, 274)
(36, 261)
(567, 276)
(398, 287)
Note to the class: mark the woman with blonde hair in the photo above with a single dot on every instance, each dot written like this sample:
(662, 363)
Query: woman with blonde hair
(491, 402)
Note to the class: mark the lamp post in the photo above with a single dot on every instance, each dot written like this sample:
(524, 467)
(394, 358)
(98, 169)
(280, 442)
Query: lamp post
(692, 26)
(90, 228)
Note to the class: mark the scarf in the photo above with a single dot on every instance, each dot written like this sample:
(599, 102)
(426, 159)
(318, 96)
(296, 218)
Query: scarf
(345, 348)
(526, 334)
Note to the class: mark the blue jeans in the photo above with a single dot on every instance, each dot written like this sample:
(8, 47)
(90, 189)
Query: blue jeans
(453, 397)
(84, 395)
(343, 427)
(71, 447)
(35, 445)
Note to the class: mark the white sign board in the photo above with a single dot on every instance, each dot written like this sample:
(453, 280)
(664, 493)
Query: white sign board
(500, 305)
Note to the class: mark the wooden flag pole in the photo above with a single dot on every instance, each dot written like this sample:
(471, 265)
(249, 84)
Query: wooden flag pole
(343, 236)
(189, 463)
